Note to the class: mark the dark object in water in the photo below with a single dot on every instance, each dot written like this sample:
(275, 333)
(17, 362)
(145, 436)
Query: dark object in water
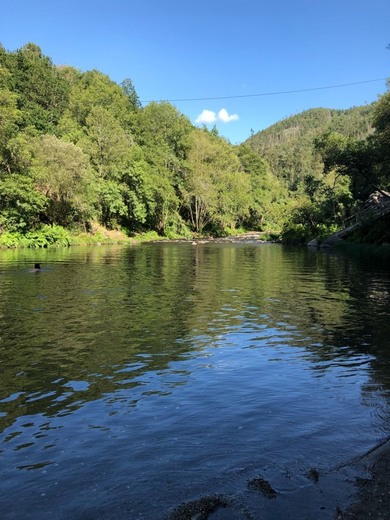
(37, 266)
(260, 484)
(313, 475)
(199, 509)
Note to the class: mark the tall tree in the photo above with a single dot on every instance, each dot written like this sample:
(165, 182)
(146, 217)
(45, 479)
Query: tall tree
(131, 94)
(216, 191)
(42, 92)
(381, 140)
(62, 173)
(163, 134)
(9, 117)
(94, 89)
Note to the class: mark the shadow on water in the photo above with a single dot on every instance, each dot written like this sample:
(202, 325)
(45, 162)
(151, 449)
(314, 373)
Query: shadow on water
(197, 367)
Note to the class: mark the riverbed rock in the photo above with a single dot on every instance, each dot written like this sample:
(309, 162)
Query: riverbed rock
(313, 475)
(260, 484)
(198, 509)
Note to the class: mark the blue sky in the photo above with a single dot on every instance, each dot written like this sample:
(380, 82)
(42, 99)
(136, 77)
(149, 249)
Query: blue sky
(175, 50)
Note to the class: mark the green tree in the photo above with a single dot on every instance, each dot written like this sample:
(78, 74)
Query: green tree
(216, 191)
(131, 94)
(62, 173)
(9, 118)
(381, 141)
(163, 134)
(106, 143)
(21, 205)
(42, 92)
(353, 158)
(94, 89)
(268, 196)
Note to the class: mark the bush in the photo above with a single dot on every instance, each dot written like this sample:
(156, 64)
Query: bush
(296, 234)
(176, 228)
(49, 235)
(10, 240)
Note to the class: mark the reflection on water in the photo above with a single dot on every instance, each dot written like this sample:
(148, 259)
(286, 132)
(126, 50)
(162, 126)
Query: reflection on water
(133, 379)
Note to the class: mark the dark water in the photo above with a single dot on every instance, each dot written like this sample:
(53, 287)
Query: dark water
(135, 379)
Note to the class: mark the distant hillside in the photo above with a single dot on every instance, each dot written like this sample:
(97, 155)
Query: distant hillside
(288, 145)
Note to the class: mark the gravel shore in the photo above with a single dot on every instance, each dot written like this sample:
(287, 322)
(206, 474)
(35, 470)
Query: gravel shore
(373, 498)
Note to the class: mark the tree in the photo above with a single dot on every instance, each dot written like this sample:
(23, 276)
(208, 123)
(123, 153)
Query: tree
(163, 134)
(356, 159)
(215, 191)
(42, 92)
(106, 143)
(21, 205)
(94, 89)
(131, 94)
(268, 195)
(381, 141)
(9, 117)
(62, 173)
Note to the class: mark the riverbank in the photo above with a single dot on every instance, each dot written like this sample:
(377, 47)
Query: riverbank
(56, 236)
(373, 494)
(370, 498)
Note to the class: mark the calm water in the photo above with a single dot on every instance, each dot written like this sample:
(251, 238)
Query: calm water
(135, 379)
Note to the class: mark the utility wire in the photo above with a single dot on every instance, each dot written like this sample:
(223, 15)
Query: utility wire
(277, 93)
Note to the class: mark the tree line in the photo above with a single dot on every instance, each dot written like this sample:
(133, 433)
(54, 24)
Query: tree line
(78, 150)
(330, 162)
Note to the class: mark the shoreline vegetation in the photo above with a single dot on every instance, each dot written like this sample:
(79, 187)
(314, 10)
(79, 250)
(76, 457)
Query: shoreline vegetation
(77, 149)
(52, 237)
(56, 236)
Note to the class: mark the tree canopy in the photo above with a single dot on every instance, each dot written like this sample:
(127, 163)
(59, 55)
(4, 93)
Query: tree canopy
(82, 149)
(78, 150)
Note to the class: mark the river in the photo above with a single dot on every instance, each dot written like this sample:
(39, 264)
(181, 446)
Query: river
(134, 379)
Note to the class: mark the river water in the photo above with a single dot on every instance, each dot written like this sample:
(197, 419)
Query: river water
(135, 379)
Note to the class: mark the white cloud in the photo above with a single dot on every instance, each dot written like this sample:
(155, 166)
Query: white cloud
(224, 116)
(208, 116)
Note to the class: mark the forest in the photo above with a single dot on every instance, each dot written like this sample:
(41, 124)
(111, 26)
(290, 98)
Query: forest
(80, 156)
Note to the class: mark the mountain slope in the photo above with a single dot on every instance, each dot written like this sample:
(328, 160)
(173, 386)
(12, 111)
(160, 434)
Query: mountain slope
(288, 146)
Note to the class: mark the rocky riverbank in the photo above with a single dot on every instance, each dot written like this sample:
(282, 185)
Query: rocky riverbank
(371, 500)
(373, 497)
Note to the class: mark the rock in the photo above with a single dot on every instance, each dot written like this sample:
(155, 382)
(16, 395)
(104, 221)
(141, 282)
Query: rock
(260, 484)
(313, 475)
(198, 509)
(313, 243)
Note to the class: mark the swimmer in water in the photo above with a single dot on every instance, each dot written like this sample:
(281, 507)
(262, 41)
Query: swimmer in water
(37, 267)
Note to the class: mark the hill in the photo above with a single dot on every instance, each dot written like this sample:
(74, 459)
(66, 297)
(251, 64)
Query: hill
(288, 146)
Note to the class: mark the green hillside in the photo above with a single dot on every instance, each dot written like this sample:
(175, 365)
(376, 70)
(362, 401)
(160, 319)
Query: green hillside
(288, 145)
(330, 161)
(79, 153)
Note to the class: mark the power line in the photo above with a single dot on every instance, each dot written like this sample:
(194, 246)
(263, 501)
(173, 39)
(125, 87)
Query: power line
(276, 93)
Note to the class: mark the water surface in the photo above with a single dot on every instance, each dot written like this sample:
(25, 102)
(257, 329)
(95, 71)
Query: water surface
(137, 378)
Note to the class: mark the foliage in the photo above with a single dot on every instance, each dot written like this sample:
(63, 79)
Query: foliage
(373, 232)
(365, 162)
(215, 189)
(289, 145)
(330, 161)
(42, 92)
(268, 197)
(78, 151)
(21, 205)
(62, 173)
